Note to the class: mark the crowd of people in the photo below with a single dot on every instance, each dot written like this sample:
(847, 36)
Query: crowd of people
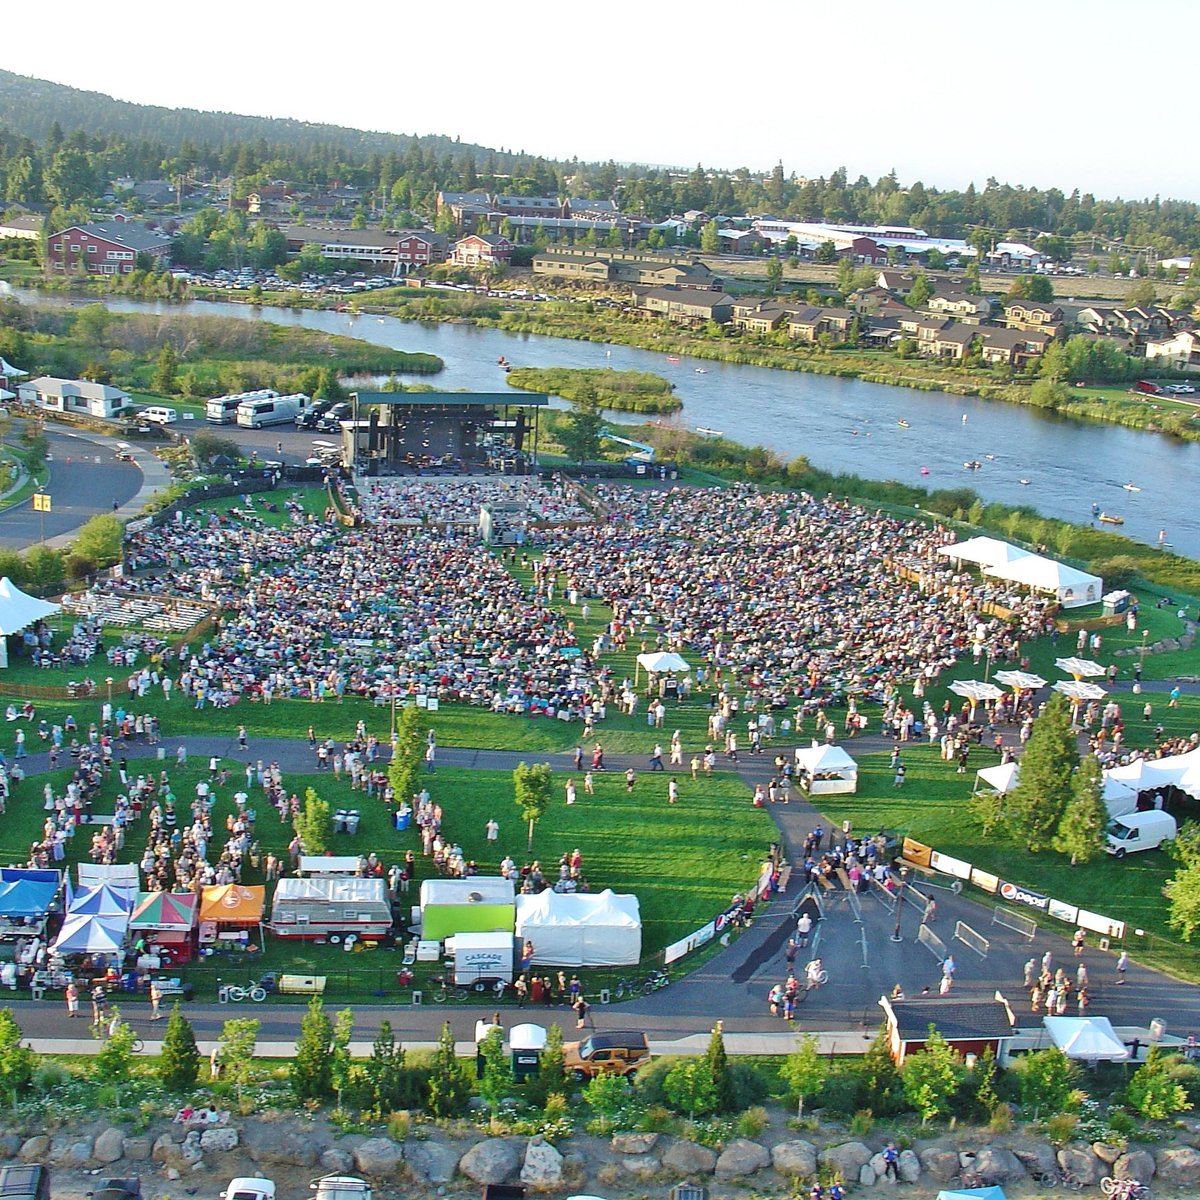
(458, 501)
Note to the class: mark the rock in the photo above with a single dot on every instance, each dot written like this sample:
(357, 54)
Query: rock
(634, 1143)
(939, 1164)
(1080, 1161)
(867, 1176)
(220, 1141)
(378, 1156)
(686, 1158)
(846, 1158)
(430, 1162)
(268, 1146)
(998, 1165)
(181, 1156)
(172, 1174)
(795, 1157)
(35, 1149)
(1038, 1158)
(109, 1147)
(337, 1161)
(543, 1166)
(1178, 1164)
(644, 1166)
(742, 1157)
(137, 1149)
(1137, 1164)
(878, 1164)
(10, 1145)
(1106, 1152)
(493, 1161)
(909, 1166)
(78, 1153)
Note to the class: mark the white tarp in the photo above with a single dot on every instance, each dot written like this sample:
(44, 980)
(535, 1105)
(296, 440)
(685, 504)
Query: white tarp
(115, 875)
(986, 551)
(1090, 1039)
(336, 864)
(1070, 587)
(826, 760)
(18, 609)
(581, 929)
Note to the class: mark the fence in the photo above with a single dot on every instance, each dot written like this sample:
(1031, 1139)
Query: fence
(975, 941)
(932, 943)
(1025, 926)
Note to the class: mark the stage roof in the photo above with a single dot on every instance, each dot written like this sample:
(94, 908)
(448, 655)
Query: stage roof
(455, 399)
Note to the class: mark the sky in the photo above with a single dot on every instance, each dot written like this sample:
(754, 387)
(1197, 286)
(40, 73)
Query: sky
(1056, 93)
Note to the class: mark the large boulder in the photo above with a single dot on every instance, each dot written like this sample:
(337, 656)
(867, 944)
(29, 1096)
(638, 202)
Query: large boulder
(378, 1156)
(634, 1143)
(181, 1156)
(75, 1154)
(998, 1165)
(35, 1148)
(940, 1164)
(742, 1157)
(10, 1144)
(1080, 1160)
(1038, 1158)
(268, 1145)
(846, 1158)
(109, 1146)
(1178, 1164)
(1137, 1164)
(795, 1157)
(337, 1161)
(687, 1158)
(219, 1141)
(878, 1166)
(1107, 1152)
(909, 1166)
(543, 1165)
(642, 1166)
(867, 1176)
(493, 1161)
(431, 1162)
(137, 1149)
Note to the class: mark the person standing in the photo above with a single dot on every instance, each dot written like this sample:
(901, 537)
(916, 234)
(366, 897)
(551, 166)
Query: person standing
(672, 791)
(930, 913)
(155, 1000)
(570, 791)
(804, 928)
(589, 784)
(790, 953)
(493, 830)
(656, 758)
(1078, 942)
(581, 1008)
(72, 998)
(99, 1004)
(891, 1160)
(630, 780)
(1122, 966)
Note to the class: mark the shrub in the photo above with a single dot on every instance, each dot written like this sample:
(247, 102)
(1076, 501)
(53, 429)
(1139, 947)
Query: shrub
(862, 1123)
(753, 1122)
(691, 1089)
(842, 1095)
(650, 1079)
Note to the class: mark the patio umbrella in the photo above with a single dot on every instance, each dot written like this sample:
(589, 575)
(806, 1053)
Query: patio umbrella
(976, 690)
(1081, 668)
(1021, 681)
(1078, 691)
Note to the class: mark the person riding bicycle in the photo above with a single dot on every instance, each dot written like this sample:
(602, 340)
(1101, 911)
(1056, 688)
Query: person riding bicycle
(812, 974)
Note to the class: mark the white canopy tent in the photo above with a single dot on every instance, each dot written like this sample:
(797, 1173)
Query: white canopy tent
(90, 933)
(581, 929)
(1070, 587)
(1089, 1039)
(122, 876)
(1146, 774)
(824, 770)
(984, 551)
(662, 662)
(19, 610)
(1001, 778)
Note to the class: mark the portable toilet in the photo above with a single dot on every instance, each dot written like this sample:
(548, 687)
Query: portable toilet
(526, 1043)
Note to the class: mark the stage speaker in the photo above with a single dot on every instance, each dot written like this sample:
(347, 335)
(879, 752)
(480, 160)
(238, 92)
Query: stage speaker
(519, 432)
(373, 431)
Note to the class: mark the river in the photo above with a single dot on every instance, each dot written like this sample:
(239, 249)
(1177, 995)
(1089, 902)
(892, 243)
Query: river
(839, 424)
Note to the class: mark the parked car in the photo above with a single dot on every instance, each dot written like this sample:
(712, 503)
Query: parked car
(28, 1182)
(249, 1187)
(609, 1053)
(341, 1187)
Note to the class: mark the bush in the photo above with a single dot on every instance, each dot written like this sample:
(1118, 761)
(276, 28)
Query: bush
(753, 1122)
(842, 1095)
(748, 1085)
(650, 1080)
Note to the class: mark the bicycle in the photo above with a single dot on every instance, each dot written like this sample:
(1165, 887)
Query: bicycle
(444, 990)
(232, 993)
(1124, 1189)
(1051, 1179)
(624, 988)
(655, 981)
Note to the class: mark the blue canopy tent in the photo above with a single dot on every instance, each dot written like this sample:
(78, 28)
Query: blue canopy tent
(102, 901)
(26, 898)
(84, 933)
(984, 1193)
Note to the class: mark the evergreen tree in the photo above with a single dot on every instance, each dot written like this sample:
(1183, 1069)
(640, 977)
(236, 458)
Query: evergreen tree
(579, 432)
(496, 1082)
(310, 1073)
(166, 370)
(449, 1088)
(920, 292)
(235, 1052)
(384, 1069)
(1081, 830)
(341, 1065)
(1037, 803)
(113, 1063)
(1152, 1092)
(179, 1066)
(312, 823)
(16, 1059)
(774, 274)
(718, 1066)
(1182, 890)
(404, 771)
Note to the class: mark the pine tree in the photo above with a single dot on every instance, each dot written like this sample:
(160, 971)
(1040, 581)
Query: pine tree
(1037, 803)
(1081, 830)
(384, 1069)
(179, 1066)
(449, 1088)
(341, 1065)
(311, 1070)
(496, 1082)
(1152, 1092)
(312, 823)
(718, 1066)
(16, 1059)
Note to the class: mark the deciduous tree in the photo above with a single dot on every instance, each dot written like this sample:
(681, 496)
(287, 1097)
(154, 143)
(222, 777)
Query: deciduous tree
(931, 1077)
(804, 1071)
(532, 787)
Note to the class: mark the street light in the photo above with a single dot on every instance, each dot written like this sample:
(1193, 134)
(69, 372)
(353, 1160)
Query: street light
(899, 905)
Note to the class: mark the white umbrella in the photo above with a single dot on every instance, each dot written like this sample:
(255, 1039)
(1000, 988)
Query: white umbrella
(1079, 667)
(976, 690)
(1021, 681)
(1077, 691)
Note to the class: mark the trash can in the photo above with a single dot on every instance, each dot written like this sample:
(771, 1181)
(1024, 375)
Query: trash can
(526, 1043)
(403, 818)
(339, 821)
(352, 819)
(1158, 1027)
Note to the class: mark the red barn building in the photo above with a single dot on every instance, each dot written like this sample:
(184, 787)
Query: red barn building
(104, 247)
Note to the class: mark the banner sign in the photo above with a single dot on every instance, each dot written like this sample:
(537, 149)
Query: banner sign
(693, 941)
(1102, 925)
(985, 880)
(951, 866)
(1064, 912)
(1020, 895)
(916, 852)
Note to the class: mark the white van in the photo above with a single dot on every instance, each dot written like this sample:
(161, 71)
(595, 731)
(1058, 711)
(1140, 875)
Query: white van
(1139, 831)
(159, 415)
(254, 414)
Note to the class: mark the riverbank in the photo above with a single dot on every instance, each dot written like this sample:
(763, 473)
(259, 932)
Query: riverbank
(616, 391)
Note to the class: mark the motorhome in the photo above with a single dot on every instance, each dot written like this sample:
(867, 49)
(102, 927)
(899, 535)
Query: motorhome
(222, 410)
(255, 414)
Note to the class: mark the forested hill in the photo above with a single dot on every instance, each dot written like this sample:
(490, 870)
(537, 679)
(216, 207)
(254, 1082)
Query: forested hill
(32, 107)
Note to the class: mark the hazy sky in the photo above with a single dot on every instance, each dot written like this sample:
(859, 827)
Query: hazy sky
(1066, 93)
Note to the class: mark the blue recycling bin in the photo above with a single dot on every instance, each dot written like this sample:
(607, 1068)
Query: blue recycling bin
(403, 817)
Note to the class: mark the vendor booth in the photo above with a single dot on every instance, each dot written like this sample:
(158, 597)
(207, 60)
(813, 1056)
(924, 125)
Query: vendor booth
(167, 921)
(1000, 779)
(826, 771)
(88, 933)
(325, 905)
(103, 901)
(230, 914)
(1070, 587)
(581, 929)
(116, 875)
(482, 958)
(1086, 1039)
(19, 610)
(661, 662)
(983, 551)
(480, 904)
(25, 904)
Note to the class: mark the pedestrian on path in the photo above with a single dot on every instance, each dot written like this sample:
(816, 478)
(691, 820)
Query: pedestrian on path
(804, 928)
(790, 952)
(581, 1008)
(72, 998)
(1078, 942)
(242, 737)
(1122, 966)
(155, 1000)
(930, 913)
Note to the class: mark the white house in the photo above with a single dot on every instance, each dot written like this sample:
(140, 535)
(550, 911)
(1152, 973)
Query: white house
(1015, 254)
(1181, 351)
(73, 396)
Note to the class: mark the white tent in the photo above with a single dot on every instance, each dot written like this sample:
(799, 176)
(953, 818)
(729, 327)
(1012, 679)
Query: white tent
(86, 933)
(581, 929)
(1071, 588)
(662, 662)
(19, 610)
(1145, 774)
(985, 551)
(824, 770)
(1091, 1039)
(1001, 778)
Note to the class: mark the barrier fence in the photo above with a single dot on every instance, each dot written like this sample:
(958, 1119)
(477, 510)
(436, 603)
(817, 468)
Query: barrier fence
(969, 938)
(934, 944)
(1025, 926)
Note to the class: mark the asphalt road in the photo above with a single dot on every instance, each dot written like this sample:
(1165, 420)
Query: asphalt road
(85, 480)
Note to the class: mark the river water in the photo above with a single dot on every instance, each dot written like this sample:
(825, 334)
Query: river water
(839, 424)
